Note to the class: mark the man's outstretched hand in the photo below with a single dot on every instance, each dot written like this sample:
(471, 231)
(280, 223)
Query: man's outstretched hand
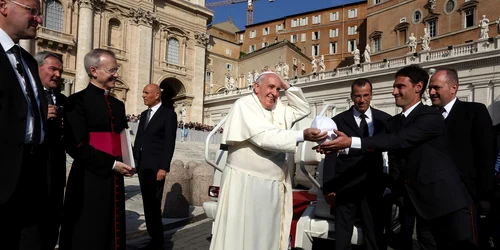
(342, 141)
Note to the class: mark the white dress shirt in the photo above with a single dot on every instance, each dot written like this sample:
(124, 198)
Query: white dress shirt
(448, 107)
(153, 110)
(7, 44)
(356, 141)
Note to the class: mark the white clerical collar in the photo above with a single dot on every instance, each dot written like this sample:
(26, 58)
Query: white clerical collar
(368, 113)
(408, 111)
(448, 106)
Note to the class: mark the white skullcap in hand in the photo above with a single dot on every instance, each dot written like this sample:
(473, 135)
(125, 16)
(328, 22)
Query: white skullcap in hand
(325, 124)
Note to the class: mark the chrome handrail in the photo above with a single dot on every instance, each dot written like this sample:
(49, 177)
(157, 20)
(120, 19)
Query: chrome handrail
(207, 143)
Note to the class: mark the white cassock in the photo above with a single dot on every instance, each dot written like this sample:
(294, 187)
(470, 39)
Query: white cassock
(254, 210)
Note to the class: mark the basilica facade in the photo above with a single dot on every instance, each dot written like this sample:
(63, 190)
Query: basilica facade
(161, 42)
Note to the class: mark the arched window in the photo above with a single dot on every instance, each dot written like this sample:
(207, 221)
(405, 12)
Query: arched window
(114, 33)
(54, 15)
(173, 51)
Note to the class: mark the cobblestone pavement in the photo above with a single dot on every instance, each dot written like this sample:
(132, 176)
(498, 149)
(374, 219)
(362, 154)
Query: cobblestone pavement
(191, 237)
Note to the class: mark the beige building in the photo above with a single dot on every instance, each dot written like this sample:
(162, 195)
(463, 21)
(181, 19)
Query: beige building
(477, 63)
(155, 42)
(332, 32)
(228, 67)
(390, 23)
(464, 34)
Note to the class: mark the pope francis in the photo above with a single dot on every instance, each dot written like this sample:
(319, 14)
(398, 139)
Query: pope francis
(255, 203)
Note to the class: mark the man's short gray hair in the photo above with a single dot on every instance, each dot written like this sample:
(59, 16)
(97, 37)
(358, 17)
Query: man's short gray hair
(93, 59)
(41, 56)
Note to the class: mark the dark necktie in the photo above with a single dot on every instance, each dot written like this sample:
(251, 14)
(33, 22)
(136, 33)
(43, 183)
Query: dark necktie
(442, 111)
(148, 117)
(35, 112)
(363, 125)
(403, 118)
(48, 93)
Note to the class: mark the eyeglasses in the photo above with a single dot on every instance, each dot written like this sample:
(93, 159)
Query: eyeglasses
(32, 10)
(112, 71)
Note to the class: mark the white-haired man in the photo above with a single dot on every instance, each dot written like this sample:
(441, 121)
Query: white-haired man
(255, 182)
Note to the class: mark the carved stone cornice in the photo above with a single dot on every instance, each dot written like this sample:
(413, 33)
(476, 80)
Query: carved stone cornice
(91, 4)
(99, 5)
(140, 16)
(85, 4)
(202, 39)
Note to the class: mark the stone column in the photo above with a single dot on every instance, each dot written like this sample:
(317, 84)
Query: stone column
(198, 61)
(184, 50)
(28, 45)
(140, 56)
(84, 43)
(67, 86)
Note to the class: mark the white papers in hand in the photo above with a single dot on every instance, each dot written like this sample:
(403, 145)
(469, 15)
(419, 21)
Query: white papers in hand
(325, 124)
(126, 145)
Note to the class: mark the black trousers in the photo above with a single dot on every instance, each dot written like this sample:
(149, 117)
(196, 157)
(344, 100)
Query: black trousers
(152, 192)
(52, 218)
(454, 231)
(352, 207)
(20, 215)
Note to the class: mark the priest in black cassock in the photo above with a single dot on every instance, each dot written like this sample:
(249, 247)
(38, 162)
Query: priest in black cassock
(94, 208)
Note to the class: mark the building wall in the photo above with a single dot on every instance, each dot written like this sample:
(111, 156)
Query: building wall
(477, 71)
(384, 17)
(223, 47)
(341, 58)
(228, 36)
(260, 38)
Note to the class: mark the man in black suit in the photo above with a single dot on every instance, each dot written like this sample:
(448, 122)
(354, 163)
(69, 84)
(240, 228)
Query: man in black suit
(357, 185)
(471, 140)
(420, 163)
(23, 112)
(50, 68)
(153, 150)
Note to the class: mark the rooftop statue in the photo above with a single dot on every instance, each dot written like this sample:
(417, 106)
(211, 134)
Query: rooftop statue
(412, 44)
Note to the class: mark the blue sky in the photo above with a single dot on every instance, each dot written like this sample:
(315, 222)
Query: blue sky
(264, 10)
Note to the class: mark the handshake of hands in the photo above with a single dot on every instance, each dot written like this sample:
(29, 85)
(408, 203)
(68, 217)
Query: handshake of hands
(124, 169)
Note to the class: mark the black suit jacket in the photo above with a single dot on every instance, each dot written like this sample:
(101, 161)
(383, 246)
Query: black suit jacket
(57, 152)
(13, 111)
(496, 129)
(154, 145)
(420, 161)
(472, 144)
(354, 168)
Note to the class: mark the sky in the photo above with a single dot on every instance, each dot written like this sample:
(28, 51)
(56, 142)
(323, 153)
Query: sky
(263, 10)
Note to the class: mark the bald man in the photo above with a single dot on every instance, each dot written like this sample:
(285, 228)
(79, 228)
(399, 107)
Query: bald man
(153, 151)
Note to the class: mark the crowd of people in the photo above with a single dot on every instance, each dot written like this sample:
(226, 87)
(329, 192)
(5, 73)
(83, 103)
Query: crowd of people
(133, 118)
(197, 126)
(188, 125)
